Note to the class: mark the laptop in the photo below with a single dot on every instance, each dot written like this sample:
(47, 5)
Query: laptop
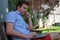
(40, 35)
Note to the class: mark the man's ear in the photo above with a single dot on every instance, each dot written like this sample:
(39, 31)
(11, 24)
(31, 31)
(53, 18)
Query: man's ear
(19, 7)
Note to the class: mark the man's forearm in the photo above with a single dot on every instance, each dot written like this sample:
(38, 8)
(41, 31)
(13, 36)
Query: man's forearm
(29, 19)
(21, 35)
(13, 32)
(16, 34)
(30, 22)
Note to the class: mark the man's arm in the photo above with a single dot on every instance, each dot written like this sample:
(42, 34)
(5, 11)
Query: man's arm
(12, 32)
(30, 26)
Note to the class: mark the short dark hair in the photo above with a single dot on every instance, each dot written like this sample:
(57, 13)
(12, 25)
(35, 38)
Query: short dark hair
(20, 3)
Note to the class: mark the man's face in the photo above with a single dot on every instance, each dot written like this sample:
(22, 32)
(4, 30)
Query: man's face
(23, 8)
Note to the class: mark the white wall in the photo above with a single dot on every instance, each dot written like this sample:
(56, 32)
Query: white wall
(3, 9)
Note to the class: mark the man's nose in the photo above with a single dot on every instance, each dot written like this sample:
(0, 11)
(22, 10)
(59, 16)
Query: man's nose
(25, 10)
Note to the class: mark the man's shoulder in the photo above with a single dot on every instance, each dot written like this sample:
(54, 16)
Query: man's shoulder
(11, 13)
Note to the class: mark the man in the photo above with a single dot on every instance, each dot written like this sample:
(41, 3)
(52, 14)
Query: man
(15, 24)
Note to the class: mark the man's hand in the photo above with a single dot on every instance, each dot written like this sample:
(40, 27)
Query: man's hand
(32, 34)
(28, 15)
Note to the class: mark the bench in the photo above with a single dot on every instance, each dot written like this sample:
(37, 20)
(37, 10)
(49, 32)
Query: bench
(2, 32)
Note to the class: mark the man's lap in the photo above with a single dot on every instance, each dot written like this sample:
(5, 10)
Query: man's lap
(36, 38)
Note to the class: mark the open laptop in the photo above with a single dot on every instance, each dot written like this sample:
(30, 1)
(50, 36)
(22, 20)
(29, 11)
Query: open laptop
(40, 35)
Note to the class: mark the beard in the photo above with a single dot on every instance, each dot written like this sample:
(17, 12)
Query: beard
(23, 13)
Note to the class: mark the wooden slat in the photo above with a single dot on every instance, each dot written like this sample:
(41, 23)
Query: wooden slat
(0, 37)
(2, 32)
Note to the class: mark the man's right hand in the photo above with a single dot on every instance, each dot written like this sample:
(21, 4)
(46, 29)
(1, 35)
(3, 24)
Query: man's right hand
(31, 35)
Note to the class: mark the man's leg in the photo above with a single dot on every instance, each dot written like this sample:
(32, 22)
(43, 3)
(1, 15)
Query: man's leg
(55, 36)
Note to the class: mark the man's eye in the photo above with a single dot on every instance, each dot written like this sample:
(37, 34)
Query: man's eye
(24, 8)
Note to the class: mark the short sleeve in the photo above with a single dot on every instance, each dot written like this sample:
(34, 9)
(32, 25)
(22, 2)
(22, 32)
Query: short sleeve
(11, 17)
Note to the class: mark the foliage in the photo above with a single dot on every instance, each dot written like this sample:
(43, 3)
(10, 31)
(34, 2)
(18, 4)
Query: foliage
(52, 29)
(12, 4)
